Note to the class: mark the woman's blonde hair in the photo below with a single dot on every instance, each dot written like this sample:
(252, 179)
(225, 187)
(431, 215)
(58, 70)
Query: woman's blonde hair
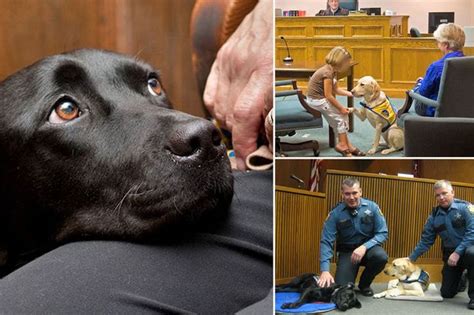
(451, 34)
(337, 55)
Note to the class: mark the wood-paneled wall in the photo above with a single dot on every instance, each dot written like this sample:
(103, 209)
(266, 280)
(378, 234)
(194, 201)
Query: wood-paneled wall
(155, 31)
(343, 26)
(298, 223)
(453, 170)
(406, 204)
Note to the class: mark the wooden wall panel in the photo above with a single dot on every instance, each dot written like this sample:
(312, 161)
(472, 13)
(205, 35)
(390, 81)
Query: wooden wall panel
(285, 168)
(367, 30)
(371, 60)
(374, 26)
(298, 222)
(329, 30)
(409, 63)
(155, 31)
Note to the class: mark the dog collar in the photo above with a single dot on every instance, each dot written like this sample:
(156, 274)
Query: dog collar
(423, 278)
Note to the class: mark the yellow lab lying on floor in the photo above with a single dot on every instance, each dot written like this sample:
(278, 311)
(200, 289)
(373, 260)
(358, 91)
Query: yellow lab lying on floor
(412, 280)
(381, 115)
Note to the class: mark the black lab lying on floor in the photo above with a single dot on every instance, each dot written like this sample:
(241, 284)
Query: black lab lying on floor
(91, 149)
(307, 284)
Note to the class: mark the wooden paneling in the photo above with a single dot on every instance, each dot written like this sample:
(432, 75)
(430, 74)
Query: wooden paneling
(329, 30)
(285, 168)
(375, 67)
(406, 204)
(408, 63)
(155, 31)
(348, 26)
(298, 224)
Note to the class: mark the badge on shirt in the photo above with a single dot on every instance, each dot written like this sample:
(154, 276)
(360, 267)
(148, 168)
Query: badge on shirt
(368, 212)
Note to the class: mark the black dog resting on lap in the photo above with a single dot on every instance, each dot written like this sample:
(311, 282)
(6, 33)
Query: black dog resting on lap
(307, 284)
(91, 149)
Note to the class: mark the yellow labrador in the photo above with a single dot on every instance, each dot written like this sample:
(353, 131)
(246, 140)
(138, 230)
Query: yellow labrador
(380, 114)
(412, 280)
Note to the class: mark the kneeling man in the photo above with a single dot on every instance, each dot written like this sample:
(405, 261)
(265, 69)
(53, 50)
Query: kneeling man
(360, 229)
(453, 221)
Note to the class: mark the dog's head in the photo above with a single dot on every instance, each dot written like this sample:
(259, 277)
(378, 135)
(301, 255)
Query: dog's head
(367, 87)
(345, 297)
(90, 147)
(401, 268)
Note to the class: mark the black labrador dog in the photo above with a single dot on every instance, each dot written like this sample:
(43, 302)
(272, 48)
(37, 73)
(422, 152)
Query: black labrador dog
(343, 296)
(90, 148)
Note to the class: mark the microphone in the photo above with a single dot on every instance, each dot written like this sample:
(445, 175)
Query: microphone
(288, 61)
(299, 180)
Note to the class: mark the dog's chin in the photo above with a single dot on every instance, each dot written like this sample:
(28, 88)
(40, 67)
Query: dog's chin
(208, 194)
(155, 211)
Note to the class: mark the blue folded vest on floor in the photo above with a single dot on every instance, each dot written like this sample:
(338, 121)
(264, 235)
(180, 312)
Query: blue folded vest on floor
(288, 297)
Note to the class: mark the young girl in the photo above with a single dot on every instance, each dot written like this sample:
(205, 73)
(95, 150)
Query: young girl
(322, 90)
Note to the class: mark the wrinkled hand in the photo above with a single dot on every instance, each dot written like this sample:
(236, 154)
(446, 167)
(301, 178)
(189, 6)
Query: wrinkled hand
(239, 89)
(453, 259)
(325, 279)
(358, 254)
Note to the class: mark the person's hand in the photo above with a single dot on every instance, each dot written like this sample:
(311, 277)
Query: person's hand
(453, 259)
(358, 254)
(344, 111)
(239, 89)
(325, 279)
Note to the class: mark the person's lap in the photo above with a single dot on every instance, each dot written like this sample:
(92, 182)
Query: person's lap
(221, 270)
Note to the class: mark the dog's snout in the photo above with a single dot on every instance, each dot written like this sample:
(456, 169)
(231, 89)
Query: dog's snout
(197, 137)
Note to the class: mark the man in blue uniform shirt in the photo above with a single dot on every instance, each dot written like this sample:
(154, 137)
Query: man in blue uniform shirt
(453, 221)
(359, 227)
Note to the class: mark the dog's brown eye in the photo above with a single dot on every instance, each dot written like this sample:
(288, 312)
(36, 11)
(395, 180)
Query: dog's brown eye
(64, 111)
(154, 87)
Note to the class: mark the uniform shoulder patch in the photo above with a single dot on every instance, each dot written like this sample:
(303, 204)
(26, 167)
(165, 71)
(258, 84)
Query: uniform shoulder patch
(471, 208)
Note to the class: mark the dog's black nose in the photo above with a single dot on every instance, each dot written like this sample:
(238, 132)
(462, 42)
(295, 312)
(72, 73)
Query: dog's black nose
(197, 137)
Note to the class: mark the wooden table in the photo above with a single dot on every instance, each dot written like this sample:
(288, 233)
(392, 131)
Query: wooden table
(288, 72)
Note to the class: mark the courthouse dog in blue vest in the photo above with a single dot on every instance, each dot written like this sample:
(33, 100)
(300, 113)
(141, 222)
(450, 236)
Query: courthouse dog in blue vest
(412, 280)
(380, 113)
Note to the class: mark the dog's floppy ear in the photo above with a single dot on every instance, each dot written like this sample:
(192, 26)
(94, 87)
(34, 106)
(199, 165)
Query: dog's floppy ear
(375, 89)
(410, 267)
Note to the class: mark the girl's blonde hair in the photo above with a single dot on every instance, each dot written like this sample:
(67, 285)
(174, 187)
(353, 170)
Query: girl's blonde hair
(451, 34)
(337, 55)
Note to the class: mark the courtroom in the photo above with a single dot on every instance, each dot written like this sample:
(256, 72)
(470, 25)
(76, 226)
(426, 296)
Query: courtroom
(383, 78)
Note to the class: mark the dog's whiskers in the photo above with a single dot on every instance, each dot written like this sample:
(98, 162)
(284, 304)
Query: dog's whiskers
(118, 208)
